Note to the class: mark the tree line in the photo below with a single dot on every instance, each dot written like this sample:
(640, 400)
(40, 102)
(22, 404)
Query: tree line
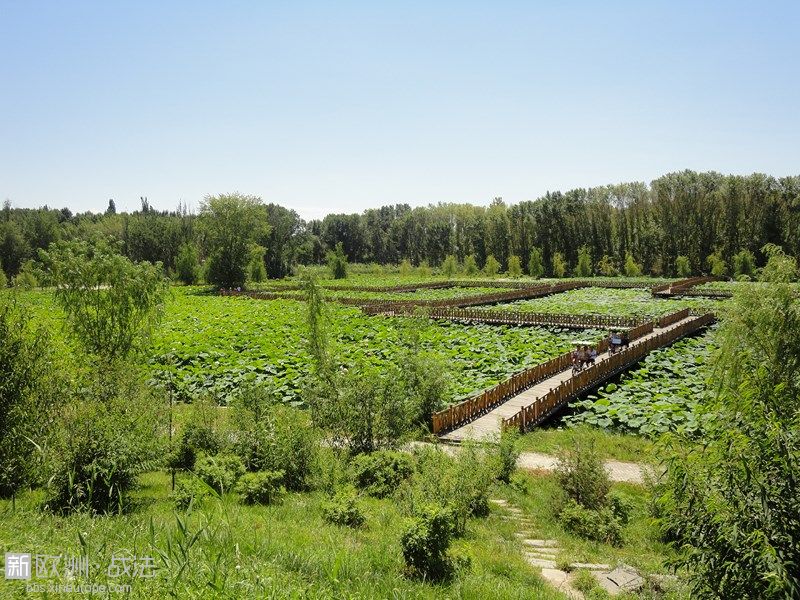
(682, 223)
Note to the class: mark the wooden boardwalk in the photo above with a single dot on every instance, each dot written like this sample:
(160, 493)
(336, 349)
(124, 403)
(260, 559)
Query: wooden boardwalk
(487, 426)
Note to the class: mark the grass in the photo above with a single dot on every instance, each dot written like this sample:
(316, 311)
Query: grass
(609, 445)
(642, 547)
(223, 549)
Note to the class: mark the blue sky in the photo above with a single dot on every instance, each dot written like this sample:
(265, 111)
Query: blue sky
(340, 106)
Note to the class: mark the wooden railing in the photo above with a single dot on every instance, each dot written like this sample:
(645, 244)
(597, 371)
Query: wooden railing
(682, 285)
(544, 406)
(668, 320)
(502, 317)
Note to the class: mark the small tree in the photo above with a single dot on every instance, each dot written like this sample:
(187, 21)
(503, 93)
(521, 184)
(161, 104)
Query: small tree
(716, 264)
(682, 268)
(231, 222)
(584, 266)
(337, 262)
(187, 264)
(780, 268)
(423, 270)
(536, 263)
(491, 268)
(405, 268)
(744, 263)
(111, 303)
(449, 266)
(559, 265)
(632, 268)
(3, 279)
(256, 270)
(514, 266)
(470, 265)
(606, 266)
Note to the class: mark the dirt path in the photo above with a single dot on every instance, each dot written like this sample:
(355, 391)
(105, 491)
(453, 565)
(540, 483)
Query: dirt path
(627, 472)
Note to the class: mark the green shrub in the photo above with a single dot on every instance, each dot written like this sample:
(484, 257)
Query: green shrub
(744, 264)
(582, 476)
(109, 434)
(29, 392)
(449, 266)
(682, 267)
(620, 506)
(425, 542)
(559, 265)
(470, 265)
(597, 525)
(274, 437)
(514, 266)
(584, 266)
(219, 472)
(405, 268)
(188, 492)
(197, 437)
(3, 278)
(263, 487)
(521, 483)
(632, 268)
(508, 453)
(424, 269)
(460, 483)
(343, 510)
(380, 473)
(536, 263)
(337, 262)
(491, 267)
(187, 264)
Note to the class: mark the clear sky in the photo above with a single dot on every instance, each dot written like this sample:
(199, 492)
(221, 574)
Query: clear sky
(340, 106)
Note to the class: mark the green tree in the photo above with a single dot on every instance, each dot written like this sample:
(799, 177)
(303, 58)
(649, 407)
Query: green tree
(28, 393)
(231, 222)
(744, 263)
(405, 268)
(337, 262)
(256, 271)
(3, 279)
(111, 304)
(632, 268)
(514, 266)
(780, 267)
(559, 265)
(716, 264)
(733, 509)
(606, 266)
(187, 264)
(470, 265)
(584, 266)
(682, 268)
(536, 263)
(449, 265)
(423, 270)
(491, 267)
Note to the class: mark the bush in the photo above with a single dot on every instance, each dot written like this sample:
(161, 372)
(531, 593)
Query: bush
(491, 267)
(423, 270)
(744, 265)
(632, 268)
(470, 265)
(219, 472)
(584, 266)
(29, 391)
(263, 487)
(582, 476)
(188, 492)
(536, 263)
(460, 483)
(337, 262)
(405, 268)
(682, 268)
(273, 437)
(597, 525)
(514, 266)
(449, 266)
(197, 437)
(425, 542)
(3, 278)
(520, 483)
(508, 453)
(187, 264)
(343, 510)
(379, 474)
(620, 506)
(559, 265)
(109, 434)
